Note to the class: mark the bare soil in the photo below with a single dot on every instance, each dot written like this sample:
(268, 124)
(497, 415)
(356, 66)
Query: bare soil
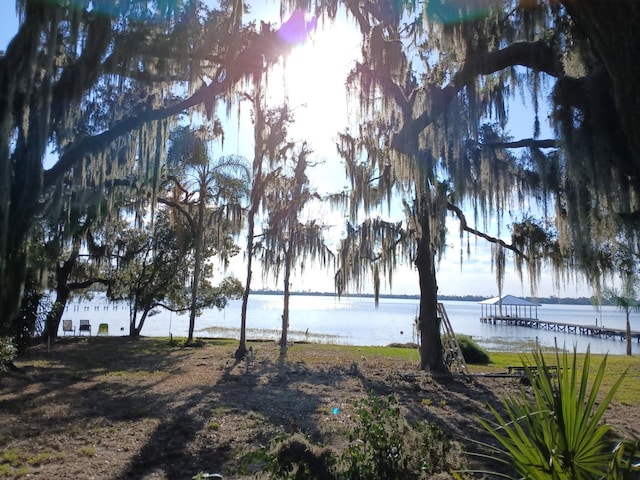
(115, 408)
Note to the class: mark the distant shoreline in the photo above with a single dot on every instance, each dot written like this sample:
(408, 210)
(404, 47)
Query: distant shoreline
(462, 298)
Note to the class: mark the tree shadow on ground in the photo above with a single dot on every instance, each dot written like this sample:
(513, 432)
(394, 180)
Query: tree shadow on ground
(256, 403)
(151, 410)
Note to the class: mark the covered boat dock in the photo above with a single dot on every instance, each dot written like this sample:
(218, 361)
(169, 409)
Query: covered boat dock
(519, 312)
(508, 309)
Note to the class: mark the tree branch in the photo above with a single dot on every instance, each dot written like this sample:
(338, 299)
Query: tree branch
(171, 309)
(249, 62)
(465, 226)
(538, 56)
(175, 180)
(180, 208)
(81, 75)
(87, 283)
(386, 81)
(525, 143)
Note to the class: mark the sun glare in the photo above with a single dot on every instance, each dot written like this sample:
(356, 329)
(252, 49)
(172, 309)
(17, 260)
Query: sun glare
(312, 79)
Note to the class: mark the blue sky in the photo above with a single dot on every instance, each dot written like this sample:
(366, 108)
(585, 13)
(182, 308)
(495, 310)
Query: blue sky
(318, 118)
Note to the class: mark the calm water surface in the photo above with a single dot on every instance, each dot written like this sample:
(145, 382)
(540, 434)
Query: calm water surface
(356, 321)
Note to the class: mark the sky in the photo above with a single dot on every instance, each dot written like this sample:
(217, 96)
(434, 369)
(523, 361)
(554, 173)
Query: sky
(320, 65)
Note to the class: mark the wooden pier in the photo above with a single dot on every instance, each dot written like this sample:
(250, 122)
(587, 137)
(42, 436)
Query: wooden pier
(590, 330)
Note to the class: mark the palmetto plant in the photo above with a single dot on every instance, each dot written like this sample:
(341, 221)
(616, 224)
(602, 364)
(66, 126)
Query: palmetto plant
(556, 431)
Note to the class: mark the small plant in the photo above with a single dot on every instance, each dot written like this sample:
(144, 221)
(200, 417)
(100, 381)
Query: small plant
(11, 457)
(354, 368)
(435, 450)
(204, 475)
(213, 425)
(16, 464)
(40, 458)
(557, 433)
(87, 450)
(252, 461)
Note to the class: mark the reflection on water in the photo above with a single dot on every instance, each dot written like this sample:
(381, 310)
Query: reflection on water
(356, 321)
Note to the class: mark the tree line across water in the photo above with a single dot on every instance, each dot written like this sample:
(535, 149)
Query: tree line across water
(462, 298)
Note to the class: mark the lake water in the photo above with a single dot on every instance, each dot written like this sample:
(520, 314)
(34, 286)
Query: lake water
(356, 321)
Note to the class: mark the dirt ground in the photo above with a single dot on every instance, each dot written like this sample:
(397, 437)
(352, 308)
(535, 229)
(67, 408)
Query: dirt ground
(113, 408)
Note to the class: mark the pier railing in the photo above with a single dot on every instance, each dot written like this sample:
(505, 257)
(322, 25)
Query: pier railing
(590, 330)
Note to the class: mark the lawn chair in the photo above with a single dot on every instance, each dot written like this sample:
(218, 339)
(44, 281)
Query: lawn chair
(103, 329)
(85, 326)
(67, 326)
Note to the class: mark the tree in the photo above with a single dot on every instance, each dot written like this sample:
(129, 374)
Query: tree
(67, 269)
(626, 299)
(150, 267)
(270, 145)
(377, 246)
(97, 85)
(75, 258)
(436, 79)
(208, 197)
(146, 263)
(287, 241)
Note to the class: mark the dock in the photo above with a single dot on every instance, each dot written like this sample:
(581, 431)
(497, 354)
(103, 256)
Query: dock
(590, 330)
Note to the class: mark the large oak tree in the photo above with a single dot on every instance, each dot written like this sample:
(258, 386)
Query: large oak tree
(438, 81)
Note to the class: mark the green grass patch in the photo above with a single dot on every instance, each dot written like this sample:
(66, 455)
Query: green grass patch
(628, 393)
(87, 451)
(219, 410)
(181, 342)
(15, 463)
(297, 352)
(213, 425)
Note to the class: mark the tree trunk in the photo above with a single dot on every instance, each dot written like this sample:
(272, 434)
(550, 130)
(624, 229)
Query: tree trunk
(255, 199)
(628, 332)
(63, 272)
(57, 309)
(26, 326)
(20, 172)
(11, 290)
(242, 347)
(197, 267)
(138, 329)
(287, 295)
(431, 354)
(133, 312)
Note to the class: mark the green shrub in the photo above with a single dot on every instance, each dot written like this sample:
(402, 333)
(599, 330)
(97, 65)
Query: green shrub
(382, 445)
(472, 352)
(377, 444)
(557, 433)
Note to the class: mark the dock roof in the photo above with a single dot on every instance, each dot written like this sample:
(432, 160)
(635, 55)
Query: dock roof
(510, 300)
